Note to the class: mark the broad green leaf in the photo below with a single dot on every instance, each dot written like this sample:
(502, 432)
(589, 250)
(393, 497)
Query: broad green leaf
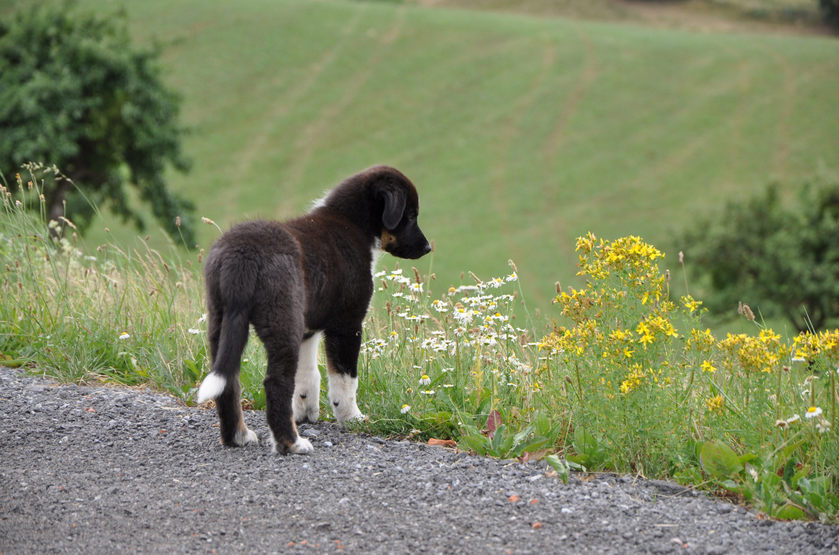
(533, 445)
(478, 445)
(584, 443)
(519, 437)
(789, 470)
(789, 512)
(582, 460)
(562, 469)
(719, 460)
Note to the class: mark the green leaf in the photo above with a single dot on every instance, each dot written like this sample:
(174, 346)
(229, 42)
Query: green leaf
(191, 370)
(477, 443)
(584, 443)
(519, 437)
(582, 460)
(437, 418)
(562, 469)
(789, 470)
(719, 460)
(789, 512)
(533, 445)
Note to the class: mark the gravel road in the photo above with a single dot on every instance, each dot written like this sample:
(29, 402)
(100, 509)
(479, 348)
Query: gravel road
(103, 470)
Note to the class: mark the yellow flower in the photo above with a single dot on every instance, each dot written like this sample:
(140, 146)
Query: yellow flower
(714, 403)
(708, 367)
(691, 304)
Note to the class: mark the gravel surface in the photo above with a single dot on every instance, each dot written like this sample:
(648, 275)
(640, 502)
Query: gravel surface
(104, 470)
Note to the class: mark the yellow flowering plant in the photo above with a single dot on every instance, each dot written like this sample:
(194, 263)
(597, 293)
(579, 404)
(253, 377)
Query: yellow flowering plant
(642, 375)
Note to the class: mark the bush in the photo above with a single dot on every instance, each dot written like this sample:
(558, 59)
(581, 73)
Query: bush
(783, 260)
(830, 9)
(76, 95)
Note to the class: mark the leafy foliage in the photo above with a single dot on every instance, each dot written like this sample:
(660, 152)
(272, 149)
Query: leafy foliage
(777, 485)
(783, 260)
(77, 96)
(830, 9)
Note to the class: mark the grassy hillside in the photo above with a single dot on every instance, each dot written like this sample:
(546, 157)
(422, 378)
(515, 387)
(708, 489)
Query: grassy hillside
(520, 133)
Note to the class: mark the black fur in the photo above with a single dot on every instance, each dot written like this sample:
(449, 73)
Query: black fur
(293, 279)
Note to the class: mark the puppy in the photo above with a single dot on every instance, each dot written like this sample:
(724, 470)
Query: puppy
(296, 282)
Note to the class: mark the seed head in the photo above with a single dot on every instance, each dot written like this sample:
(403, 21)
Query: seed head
(68, 222)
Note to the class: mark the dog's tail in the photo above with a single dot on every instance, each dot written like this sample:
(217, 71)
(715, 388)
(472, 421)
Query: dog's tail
(233, 337)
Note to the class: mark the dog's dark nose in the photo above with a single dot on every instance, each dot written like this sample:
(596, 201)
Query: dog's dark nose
(427, 248)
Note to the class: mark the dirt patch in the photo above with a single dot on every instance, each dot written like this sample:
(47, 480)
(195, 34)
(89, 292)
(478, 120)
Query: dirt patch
(708, 16)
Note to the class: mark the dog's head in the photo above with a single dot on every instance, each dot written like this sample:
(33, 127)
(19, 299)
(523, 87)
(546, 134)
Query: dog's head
(398, 203)
(385, 203)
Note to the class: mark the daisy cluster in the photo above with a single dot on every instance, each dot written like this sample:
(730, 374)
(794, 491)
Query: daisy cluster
(467, 326)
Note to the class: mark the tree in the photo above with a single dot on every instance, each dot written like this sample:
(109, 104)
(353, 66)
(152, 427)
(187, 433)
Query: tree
(784, 261)
(75, 94)
(830, 10)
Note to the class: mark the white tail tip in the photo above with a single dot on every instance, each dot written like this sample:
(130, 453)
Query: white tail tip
(211, 387)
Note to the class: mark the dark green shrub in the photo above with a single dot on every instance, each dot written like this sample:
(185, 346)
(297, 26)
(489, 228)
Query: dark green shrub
(830, 9)
(76, 95)
(778, 259)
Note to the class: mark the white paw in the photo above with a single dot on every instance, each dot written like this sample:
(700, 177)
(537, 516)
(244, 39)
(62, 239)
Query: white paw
(342, 390)
(354, 414)
(245, 438)
(301, 447)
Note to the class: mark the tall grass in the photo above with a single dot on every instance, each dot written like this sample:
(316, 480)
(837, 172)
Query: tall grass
(130, 315)
(626, 380)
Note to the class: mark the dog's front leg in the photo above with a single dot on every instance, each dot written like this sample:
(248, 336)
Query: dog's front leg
(342, 364)
(306, 402)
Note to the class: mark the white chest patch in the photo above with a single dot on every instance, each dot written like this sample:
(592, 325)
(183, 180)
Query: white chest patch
(376, 254)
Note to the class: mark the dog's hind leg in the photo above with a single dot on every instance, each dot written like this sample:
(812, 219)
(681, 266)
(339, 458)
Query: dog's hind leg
(278, 321)
(306, 402)
(222, 384)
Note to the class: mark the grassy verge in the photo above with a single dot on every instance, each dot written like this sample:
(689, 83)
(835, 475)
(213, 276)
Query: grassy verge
(629, 380)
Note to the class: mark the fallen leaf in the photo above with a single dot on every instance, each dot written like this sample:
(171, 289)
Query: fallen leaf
(534, 455)
(513, 498)
(534, 501)
(493, 423)
(537, 525)
(442, 442)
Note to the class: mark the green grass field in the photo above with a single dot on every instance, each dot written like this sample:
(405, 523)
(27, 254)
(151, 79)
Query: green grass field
(521, 133)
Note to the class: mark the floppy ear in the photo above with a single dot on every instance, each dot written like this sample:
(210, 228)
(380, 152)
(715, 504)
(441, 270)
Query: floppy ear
(395, 200)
